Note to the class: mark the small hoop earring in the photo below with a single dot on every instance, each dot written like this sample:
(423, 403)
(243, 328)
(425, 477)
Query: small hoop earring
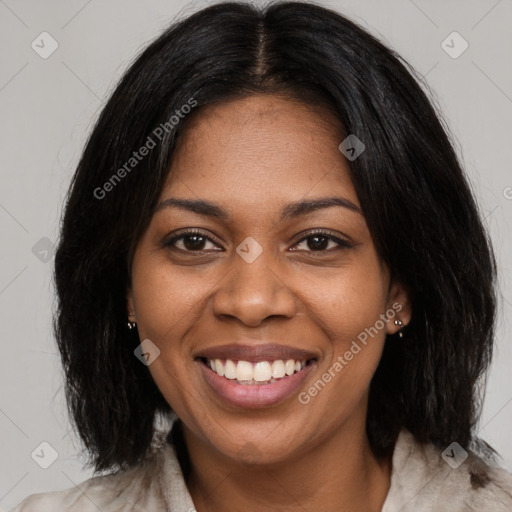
(401, 325)
(132, 325)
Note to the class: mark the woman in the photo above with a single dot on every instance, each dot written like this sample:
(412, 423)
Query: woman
(275, 290)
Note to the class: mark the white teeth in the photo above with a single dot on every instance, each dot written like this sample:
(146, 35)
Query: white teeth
(243, 371)
(219, 367)
(230, 370)
(289, 366)
(253, 373)
(262, 371)
(278, 369)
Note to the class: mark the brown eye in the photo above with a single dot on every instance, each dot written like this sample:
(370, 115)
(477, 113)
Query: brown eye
(319, 242)
(190, 241)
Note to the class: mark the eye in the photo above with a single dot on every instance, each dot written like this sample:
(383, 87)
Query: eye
(323, 241)
(190, 241)
(197, 241)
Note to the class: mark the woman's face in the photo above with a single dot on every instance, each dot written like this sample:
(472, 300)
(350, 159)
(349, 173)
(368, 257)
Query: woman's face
(253, 293)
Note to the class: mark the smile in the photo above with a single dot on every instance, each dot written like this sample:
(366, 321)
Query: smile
(255, 373)
(249, 375)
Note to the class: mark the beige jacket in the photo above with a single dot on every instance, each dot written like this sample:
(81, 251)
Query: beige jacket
(422, 480)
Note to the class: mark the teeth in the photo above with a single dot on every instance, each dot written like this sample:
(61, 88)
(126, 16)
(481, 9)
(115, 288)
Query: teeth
(219, 367)
(278, 370)
(230, 370)
(243, 371)
(262, 372)
(289, 366)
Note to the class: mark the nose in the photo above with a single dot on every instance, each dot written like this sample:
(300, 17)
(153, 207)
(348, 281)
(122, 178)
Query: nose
(253, 292)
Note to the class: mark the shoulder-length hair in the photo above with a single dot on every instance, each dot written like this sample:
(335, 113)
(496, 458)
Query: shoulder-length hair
(416, 200)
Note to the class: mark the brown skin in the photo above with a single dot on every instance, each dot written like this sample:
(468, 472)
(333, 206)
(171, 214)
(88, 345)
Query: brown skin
(253, 156)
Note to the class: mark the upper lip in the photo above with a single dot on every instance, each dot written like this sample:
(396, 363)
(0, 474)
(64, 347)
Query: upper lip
(254, 353)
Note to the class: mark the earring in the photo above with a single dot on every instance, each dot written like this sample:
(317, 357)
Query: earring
(132, 325)
(400, 324)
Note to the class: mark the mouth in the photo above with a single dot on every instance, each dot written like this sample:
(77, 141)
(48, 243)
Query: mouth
(255, 376)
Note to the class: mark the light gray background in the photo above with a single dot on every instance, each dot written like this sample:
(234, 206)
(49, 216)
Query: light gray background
(48, 107)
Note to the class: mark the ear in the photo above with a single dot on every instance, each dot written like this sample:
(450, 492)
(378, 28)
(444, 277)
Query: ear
(130, 305)
(398, 302)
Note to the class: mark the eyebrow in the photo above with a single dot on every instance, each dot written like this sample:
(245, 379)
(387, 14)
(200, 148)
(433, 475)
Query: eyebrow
(290, 211)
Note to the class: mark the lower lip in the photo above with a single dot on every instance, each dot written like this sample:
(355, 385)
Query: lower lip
(257, 395)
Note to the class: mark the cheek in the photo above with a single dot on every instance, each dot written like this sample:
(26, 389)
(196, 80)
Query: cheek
(166, 308)
(349, 307)
(167, 301)
(348, 301)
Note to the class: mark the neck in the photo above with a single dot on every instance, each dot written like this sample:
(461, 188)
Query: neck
(340, 473)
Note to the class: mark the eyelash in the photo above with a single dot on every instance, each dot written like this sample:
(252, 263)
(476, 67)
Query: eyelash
(342, 244)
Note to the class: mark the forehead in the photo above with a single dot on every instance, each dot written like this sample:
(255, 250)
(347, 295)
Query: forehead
(260, 148)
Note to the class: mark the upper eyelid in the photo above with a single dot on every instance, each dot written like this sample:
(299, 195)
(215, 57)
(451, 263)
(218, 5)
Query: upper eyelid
(191, 231)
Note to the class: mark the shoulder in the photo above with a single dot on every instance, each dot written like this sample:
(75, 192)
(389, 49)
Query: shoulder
(426, 478)
(137, 489)
(155, 484)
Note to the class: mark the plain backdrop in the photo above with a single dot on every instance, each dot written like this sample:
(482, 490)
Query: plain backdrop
(48, 106)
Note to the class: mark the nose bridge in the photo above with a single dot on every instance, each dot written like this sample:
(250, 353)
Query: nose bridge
(252, 290)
